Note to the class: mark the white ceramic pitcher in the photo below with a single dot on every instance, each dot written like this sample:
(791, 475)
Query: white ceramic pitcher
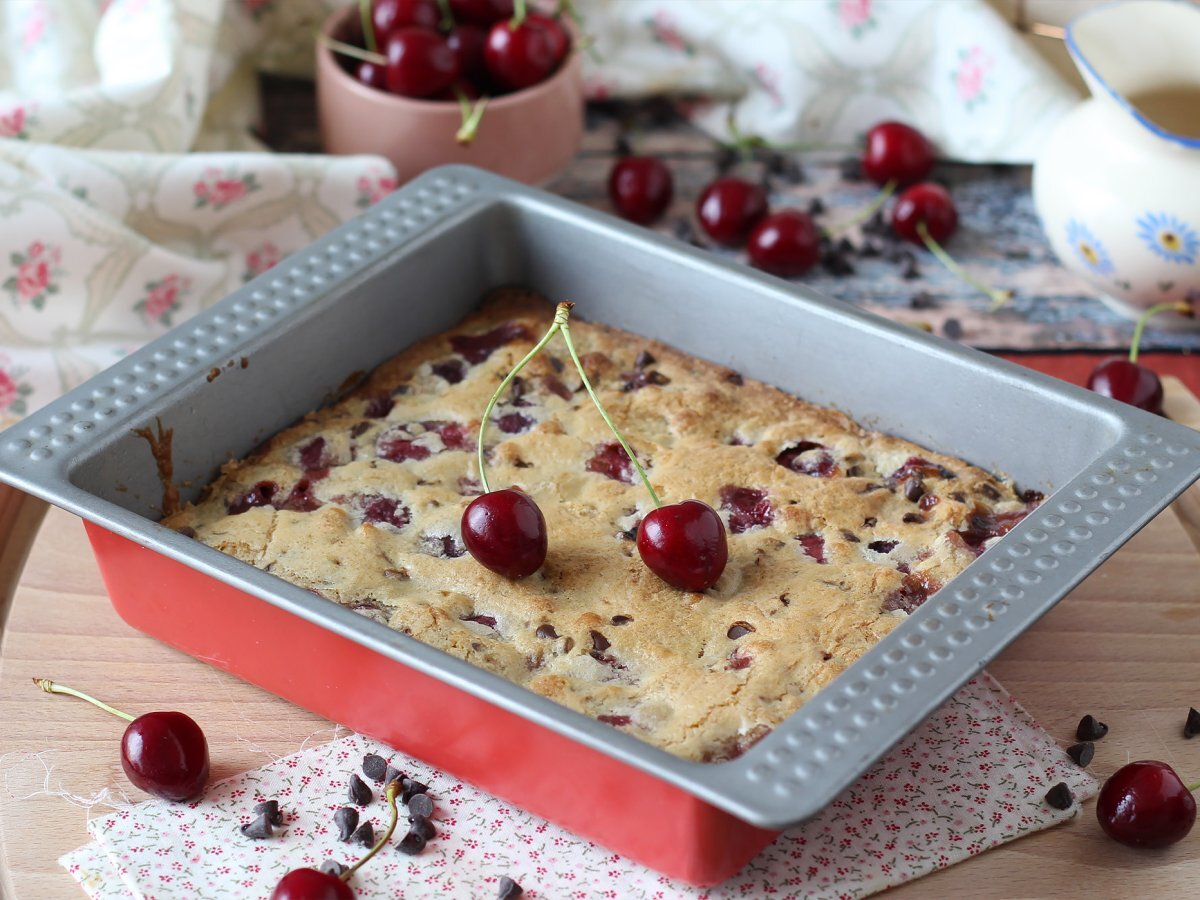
(1117, 185)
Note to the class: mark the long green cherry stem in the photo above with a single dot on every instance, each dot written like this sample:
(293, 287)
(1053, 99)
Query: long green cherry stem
(390, 792)
(368, 27)
(519, 13)
(537, 348)
(1181, 308)
(447, 22)
(863, 214)
(560, 318)
(1191, 787)
(350, 50)
(998, 297)
(471, 116)
(51, 687)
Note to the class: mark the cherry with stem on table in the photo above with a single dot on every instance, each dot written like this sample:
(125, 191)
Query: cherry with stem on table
(640, 188)
(1124, 378)
(313, 884)
(895, 155)
(1145, 804)
(164, 753)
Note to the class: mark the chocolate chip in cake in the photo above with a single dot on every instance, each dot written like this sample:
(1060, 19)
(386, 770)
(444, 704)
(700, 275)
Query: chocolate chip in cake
(1082, 753)
(568, 645)
(735, 378)
(854, 472)
(270, 809)
(509, 889)
(411, 844)
(187, 531)
(990, 492)
(851, 537)
(882, 546)
(913, 518)
(871, 487)
(1060, 796)
(914, 489)
(359, 429)
(953, 329)
(1031, 496)
(422, 826)
(374, 766)
(958, 496)
(622, 620)
(359, 793)
(392, 774)
(1089, 729)
(259, 829)
(644, 358)
(870, 522)
(599, 641)
(364, 834)
(1191, 727)
(421, 805)
(346, 820)
(546, 631)
(333, 867)
(739, 629)
(629, 534)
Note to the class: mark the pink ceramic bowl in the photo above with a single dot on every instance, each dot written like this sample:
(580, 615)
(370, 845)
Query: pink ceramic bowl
(529, 135)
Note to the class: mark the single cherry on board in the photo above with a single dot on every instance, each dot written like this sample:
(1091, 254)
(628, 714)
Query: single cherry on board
(1124, 378)
(640, 188)
(1145, 804)
(925, 204)
(785, 243)
(163, 753)
(897, 153)
(506, 532)
(311, 884)
(729, 207)
(684, 544)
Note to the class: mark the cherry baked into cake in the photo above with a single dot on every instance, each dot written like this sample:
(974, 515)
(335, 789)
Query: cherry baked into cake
(835, 533)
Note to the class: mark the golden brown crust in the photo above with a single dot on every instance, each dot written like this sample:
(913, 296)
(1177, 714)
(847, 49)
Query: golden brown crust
(701, 675)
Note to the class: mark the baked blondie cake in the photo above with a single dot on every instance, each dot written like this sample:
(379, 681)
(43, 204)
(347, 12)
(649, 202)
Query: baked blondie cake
(836, 533)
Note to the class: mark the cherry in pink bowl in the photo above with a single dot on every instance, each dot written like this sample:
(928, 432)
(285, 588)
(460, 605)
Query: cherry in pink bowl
(528, 135)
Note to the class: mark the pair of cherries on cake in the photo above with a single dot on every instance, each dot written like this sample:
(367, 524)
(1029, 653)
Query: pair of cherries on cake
(683, 543)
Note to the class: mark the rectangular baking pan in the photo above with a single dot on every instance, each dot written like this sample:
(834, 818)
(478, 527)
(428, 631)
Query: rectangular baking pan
(414, 265)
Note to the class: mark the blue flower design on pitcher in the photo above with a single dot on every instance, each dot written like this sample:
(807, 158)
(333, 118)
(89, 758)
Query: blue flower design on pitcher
(1170, 238)
(1088, 249)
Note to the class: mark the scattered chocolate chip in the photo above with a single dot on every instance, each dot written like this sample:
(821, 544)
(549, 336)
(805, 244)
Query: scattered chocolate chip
(346, 819)
(333, 867)
(836, 263)
(1191, 727)
(882, 546)
(364, 834)
(411, 844)
(879, 226)
(259, 829)
(815, 206)
(546, 631)
(359, 793)
(913, 518)
(726, 159)
(1060, 796)
(621, 146)
(622, 620)
(826, 656)
(270, 808)
(953, 329)
(374, 766)
(922, 300)
(392, 774)
(1090, 730)
(870, 249)
(509, 889)
(410, 788)
(1082, 753)
(421, 805)
(851, 169)
(422, 826)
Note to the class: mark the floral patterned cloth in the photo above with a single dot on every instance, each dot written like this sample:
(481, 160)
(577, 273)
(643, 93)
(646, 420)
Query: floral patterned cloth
(824, 71)
(973, 776)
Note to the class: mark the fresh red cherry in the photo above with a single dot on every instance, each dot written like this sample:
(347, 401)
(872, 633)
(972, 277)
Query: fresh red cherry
(785, 243)
(505, 532)
(466, 42)
(929, 203)
(1128, 382)
(684, 545)
(371, 74)
(640, 188)
(166, 754)
(896, 152)
(1146, 804)
(521, 56)
(560, 39)
(729, 207)
(387, 15)
(309, 884)
(481, 12)
(419, 62)
(163, 753)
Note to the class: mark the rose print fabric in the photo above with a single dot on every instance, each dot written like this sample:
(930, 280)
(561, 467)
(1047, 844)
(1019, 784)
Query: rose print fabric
(824, 71)
(971, 777)
(111, 231)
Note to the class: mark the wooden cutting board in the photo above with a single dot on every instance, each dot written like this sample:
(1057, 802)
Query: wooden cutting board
(1124, 646)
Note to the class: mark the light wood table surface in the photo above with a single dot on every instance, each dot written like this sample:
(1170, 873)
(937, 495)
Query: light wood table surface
(1124, 646)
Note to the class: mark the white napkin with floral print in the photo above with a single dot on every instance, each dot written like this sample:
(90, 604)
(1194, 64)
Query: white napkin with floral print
(973, 776)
